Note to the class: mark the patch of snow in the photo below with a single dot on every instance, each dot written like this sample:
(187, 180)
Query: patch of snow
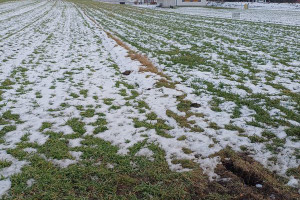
(4, 186)
(258, 12)
(293, 182)
(76, 154)
(30, 150)
(64, 163)
(110, 166)
(75, 142)
(14, 168)
(145, 152)
(30, 182)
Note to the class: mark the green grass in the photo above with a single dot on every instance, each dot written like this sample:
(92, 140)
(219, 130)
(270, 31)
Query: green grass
(160, 127)
(88, 113)
(108, 101)
(187, 150)
(85, 180)
(185, 163)
(55, 147)
(4, 164)
(216, 48)
(7, 84)
(7, 129)
(234, 128)
(184, 122)
(151, 116)
(181, 138)
(231, 60)
(45, 125)
(74, 95)
(294, 131)
(84, 93)
(76, 125)
(10, 116)
(256, 139)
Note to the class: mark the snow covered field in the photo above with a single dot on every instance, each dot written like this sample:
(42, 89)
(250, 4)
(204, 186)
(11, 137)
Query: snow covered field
(220, 84)
(256, 5)
(257, 15)
(288, 14)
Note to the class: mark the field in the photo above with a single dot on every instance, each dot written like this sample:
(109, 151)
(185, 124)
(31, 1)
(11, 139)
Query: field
(286, 17)
(106, 101)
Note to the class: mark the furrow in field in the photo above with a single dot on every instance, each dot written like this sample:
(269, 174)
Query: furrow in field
(70, 87)
(245, 89)
(16, 46)
(21, 12)
(8, 6)
(12, 26)
(16, 9)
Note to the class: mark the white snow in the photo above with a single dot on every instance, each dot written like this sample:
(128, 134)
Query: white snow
(110, 166)
(30, 182)
(257, 5)
(75, 142)
(14, 168)
(64, 163)
(4, 186)
(283, 13)
(30, 150)
(145, 152)
(76, 154)
(52, 45)
(293, 182)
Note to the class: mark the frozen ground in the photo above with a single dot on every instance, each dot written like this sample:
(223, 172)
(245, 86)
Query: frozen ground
(227, 84)
(288, 14)
(255, 5)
